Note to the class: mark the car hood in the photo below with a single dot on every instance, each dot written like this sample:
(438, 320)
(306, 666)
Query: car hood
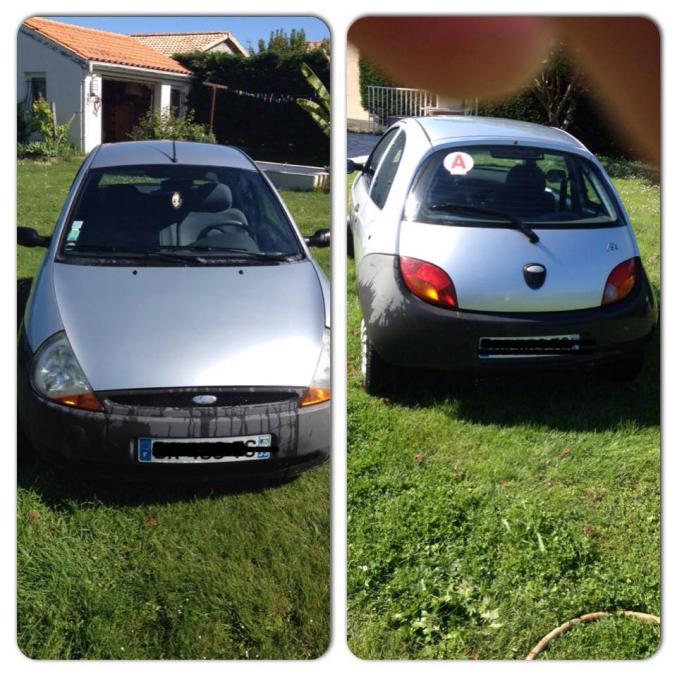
(167, 327)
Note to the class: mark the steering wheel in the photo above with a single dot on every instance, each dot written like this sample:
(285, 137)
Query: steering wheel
(220, 227)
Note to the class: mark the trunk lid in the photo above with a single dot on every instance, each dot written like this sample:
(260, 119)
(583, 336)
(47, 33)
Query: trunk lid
(486, 264)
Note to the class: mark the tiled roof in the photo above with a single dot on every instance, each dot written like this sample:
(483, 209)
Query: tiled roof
(181, 43)
(96, 45)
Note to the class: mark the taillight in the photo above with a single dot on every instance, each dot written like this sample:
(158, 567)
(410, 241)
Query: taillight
(620, 282)
(428, 282)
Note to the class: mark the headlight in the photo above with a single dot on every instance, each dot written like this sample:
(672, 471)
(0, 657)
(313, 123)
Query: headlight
(58, 376)
(320, 386)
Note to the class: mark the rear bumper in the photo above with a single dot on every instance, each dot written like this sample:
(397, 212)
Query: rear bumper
(409, 332)
(108, 440)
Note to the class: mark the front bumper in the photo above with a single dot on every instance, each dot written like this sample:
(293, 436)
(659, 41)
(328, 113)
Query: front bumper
(408, 332)
(109, 439)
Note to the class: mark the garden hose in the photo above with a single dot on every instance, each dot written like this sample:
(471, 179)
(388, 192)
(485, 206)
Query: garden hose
(587, 618)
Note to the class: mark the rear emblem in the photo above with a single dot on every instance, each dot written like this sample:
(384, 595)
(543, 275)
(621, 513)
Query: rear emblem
(204, 399)
(534, 275)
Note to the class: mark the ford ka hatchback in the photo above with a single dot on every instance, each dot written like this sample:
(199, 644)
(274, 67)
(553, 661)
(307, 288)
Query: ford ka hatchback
(483, 244)
(178, 323)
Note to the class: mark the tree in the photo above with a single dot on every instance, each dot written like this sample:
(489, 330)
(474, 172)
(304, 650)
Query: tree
(557, 88)
(284, 43)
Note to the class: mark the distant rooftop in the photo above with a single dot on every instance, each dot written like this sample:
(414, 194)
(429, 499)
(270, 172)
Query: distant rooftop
(190, 41)
(93, 44)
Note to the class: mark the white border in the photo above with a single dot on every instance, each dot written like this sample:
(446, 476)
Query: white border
(338, 16)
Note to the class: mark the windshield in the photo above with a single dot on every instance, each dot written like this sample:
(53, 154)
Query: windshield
(178, 212)
(480, 185)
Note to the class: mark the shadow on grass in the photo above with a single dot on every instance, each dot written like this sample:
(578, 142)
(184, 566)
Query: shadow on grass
(65, 489)
(59, 487)
(567, 401)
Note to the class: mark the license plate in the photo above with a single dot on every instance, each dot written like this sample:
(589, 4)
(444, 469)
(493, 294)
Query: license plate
(504, 347)
(204, 450)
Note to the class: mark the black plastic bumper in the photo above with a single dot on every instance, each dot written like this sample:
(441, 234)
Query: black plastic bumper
(109, 439)
(408, 332)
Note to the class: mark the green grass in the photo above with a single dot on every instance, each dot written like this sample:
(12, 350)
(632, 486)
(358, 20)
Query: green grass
(143, 572)
(483, 514)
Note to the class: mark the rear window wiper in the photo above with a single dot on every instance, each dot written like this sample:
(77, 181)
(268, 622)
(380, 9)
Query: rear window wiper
(515, 221)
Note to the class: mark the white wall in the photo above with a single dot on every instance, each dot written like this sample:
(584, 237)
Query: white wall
(64, 78)
(354, 110)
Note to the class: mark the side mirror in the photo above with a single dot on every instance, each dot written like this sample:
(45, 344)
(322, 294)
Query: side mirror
(353, 166)
(320, 238)
(29, 237)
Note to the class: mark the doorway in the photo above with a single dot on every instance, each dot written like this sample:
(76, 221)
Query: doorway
(124, 103)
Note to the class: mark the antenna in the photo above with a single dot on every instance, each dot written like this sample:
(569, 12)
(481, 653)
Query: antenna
(173, 150)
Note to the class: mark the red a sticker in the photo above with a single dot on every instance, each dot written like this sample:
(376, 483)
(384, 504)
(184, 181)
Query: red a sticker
(458, 163)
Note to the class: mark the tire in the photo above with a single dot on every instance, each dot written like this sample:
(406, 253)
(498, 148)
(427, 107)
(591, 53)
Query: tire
(378, 377)
(626, 369)
(350, 242)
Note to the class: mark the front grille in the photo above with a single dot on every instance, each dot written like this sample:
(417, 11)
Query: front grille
(182, 398)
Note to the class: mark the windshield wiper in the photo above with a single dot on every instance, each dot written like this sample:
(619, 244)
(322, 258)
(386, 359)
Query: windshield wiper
(123, 252)
(515, 221)
(239, 252)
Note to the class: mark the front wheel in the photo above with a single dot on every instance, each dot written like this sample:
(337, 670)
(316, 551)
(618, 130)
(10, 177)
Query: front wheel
(351, 242)
(377, 375)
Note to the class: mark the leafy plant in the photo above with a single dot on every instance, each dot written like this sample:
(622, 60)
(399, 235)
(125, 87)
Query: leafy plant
(54, 136)
(163, 125)
(319, 110)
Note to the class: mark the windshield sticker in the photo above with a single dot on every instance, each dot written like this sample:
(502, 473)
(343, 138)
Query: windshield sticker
(176, 199)
(458, 163)
(74, 232)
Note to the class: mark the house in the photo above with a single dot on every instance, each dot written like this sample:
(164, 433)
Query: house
(107, 81)
(197, 41)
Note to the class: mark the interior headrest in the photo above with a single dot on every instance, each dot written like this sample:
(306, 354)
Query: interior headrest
(526, 177)
(213, 197)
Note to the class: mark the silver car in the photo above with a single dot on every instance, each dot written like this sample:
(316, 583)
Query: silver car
(484, 244)
(178, 323)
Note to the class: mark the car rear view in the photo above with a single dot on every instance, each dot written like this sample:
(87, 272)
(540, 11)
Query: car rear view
(514, 255)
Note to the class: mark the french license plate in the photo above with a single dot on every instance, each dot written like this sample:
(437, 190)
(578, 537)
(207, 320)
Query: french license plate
(204, 450)
(493, 347)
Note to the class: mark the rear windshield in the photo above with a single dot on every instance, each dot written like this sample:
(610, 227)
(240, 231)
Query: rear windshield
(477, 185)
(180, 209)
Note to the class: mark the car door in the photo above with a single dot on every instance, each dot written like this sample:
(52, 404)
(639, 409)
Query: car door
(361, 213)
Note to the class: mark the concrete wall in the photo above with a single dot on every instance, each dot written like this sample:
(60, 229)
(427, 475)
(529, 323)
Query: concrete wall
(354, 110)
(64, 80)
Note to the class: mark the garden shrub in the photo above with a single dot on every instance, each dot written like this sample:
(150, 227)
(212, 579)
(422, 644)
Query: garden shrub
(158, 125)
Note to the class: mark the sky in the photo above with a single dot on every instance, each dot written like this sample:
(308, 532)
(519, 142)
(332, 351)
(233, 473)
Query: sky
(244, 28)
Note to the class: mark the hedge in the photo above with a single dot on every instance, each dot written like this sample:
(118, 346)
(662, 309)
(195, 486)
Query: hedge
(280, 132)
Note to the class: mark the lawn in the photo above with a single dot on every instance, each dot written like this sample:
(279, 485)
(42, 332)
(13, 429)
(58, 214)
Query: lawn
(483, 514)
(143, 572)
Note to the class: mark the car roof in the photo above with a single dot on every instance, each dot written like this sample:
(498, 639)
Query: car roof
(441, 129)
(162, 152)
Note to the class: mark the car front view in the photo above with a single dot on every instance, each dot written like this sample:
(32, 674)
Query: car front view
(179, 323)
